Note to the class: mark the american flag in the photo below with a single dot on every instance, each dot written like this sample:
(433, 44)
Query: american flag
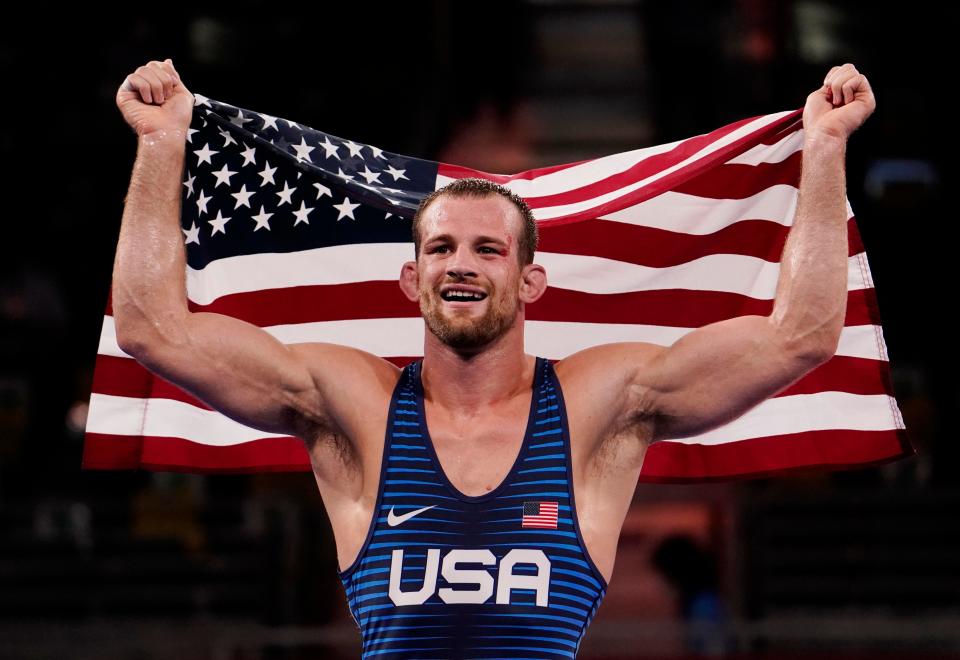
(303, 234)
(541, 515)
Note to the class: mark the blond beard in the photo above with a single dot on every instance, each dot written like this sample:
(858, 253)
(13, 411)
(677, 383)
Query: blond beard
(467, 334)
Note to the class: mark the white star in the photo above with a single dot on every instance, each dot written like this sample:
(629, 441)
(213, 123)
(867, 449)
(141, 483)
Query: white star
(285, 195)
(227, 138)
(395, 202)
(270, 121)
(353, 147)
(223, 176)
(242, 197)
(303, 149)
(218, 224)
(322, 190)
(200, 99)
(189, 184)
(202, 203)
(396, 174)
(190, 132)
(388, 215)
(240, 120)
(293, 124)
(192, 235)
(267, 175)
(204, 154)
(262, 219)
(330, 148)
(377, 153)
(369, 176)
(249, 157)
(302, 214)
(346, 209)
(343, 175)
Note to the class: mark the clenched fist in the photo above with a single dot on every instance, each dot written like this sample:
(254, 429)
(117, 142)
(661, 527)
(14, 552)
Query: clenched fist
(841, 106)
(153, 98)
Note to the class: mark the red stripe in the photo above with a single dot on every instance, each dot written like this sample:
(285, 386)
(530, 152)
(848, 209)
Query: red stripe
(665, 462)
(740, 181)
(671, 462)
(677, 308)
(662, 248)
(119, 376)
(111, 452)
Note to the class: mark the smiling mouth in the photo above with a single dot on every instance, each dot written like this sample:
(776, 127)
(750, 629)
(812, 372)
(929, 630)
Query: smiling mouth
(462, 298)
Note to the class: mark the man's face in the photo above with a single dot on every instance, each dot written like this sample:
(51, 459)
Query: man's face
(469, 244)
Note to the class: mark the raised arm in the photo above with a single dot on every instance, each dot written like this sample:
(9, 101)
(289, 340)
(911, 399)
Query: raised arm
(233, 366)
(716, 373)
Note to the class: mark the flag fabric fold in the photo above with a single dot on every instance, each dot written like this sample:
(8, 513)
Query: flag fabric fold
(303, 234)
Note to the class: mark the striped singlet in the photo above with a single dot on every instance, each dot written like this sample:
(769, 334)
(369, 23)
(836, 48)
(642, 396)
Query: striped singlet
(505, 574)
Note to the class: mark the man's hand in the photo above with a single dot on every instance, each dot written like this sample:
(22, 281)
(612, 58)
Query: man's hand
(153, 98)
(839, 107)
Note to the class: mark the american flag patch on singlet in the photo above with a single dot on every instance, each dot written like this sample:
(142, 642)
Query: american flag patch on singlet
(542, 515)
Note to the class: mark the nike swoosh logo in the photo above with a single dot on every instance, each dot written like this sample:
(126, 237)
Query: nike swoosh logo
(393, 520)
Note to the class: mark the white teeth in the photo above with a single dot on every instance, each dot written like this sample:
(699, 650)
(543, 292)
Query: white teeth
(463, 295)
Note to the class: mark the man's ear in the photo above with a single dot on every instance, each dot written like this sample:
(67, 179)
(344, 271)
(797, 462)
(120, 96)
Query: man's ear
(533, 283)
(410, 281)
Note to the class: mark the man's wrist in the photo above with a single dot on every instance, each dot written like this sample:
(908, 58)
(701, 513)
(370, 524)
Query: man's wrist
(162, 138)
(824, 142)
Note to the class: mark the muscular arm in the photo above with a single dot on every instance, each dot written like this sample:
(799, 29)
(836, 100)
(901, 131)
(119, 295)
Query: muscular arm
(718, 372)
(235, 367)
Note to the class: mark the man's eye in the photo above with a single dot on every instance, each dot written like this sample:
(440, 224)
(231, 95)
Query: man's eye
(439, 247)
(488, 248)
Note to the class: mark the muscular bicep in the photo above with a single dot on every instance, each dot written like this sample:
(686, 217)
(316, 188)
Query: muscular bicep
(239, 370)
(715, 374)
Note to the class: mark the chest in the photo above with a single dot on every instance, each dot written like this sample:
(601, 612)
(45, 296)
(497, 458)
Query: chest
(477, 454)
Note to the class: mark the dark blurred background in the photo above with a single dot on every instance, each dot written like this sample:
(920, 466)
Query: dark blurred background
(852, 564)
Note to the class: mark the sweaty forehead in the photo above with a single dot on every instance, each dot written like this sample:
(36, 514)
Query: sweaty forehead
(465, 216)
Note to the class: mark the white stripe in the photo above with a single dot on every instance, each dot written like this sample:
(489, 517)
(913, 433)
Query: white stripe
(556, 340)
(777, 152)
(550, 339)
(823, 411)
(700, 216)
(729, 273)
(108, 340)
(545, 213)
(592, 171)
(117, 415)
(783, 415)
(337, 264)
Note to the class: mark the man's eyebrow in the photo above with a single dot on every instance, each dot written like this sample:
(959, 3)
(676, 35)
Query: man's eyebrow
(480, 239)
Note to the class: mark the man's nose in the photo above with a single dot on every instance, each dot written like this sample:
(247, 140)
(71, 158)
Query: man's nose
(461, 263)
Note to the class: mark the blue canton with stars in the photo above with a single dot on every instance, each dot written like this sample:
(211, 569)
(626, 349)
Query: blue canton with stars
(256, 183)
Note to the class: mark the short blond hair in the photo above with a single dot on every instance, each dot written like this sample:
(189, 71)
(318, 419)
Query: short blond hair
(476, 187)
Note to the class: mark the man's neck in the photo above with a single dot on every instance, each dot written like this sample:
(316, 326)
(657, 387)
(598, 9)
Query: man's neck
(463, 383)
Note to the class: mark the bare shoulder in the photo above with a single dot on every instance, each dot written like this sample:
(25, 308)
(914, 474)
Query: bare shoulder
(605, 391)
